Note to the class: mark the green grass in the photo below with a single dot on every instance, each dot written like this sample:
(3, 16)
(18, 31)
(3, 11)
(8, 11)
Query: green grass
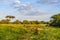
(28, 32)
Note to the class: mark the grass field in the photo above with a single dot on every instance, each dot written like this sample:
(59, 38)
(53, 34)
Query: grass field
(28, 32)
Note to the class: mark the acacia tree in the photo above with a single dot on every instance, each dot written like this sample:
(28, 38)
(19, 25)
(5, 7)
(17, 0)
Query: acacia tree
(9, 17)
(55, 20)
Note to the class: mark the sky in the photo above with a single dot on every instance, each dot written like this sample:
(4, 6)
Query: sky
(29, 9)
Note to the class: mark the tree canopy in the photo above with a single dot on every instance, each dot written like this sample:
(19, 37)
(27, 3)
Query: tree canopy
(55, 20)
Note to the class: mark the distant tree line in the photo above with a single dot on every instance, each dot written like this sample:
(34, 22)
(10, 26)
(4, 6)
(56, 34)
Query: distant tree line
(55, 21)
(9, 18)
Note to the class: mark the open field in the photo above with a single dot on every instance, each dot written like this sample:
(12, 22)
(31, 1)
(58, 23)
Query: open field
(29, 19)
(28, 32)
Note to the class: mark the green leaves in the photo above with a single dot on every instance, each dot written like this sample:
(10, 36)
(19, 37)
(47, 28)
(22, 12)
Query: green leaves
(56, 20)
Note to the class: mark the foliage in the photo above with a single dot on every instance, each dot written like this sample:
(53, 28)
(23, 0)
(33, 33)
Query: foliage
(9, 17)
(25, 22)
(17, 22)
(8, 20)
(55, 20)
(4, 21)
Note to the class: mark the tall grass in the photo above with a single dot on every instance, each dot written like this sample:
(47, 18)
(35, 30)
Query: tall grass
(28, 32)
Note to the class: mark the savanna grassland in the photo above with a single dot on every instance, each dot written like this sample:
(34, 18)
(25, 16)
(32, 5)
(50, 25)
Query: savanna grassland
(28, 32)
(29, 19)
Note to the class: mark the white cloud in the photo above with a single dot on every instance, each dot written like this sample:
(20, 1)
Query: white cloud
(36, 12)
(48, 1)
(28, 10)
(17, 1)
(22, 7)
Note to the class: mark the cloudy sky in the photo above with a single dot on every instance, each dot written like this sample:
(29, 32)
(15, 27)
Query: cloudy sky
(29, 9)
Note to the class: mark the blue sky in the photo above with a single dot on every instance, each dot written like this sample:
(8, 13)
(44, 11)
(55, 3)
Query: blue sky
(29, 9)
